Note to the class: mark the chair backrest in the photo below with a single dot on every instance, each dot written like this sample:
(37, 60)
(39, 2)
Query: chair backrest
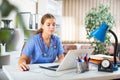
(84, 46)
(68, 47)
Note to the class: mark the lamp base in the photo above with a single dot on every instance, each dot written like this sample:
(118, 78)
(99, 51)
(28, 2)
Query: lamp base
(105, 66)
(115, 67)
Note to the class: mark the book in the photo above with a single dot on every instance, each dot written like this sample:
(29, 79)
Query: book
(99, 57)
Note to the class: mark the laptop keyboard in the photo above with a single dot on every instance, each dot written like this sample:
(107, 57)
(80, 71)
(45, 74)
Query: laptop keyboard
(55, 66)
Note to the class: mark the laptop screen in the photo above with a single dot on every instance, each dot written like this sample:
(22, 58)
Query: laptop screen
(69, 60)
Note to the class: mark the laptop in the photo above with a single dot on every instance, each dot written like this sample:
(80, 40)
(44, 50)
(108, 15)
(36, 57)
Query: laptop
(69, 60)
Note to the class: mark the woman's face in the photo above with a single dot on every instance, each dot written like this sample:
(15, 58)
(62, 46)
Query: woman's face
(49, 26)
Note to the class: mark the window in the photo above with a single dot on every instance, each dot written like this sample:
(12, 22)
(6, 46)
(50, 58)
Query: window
(74, 12)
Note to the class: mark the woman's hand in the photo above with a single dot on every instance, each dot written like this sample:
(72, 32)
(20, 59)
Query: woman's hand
(23, 66)
(23, 61)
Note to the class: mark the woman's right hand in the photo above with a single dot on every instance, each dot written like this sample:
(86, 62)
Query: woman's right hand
(24, 67)
(22, 63)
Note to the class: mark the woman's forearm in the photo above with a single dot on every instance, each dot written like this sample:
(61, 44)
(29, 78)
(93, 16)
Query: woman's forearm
(60, 58)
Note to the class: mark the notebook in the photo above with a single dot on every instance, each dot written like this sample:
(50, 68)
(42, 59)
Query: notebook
(69, 60)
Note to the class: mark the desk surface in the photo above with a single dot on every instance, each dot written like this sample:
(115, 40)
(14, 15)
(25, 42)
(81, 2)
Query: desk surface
(36, 73)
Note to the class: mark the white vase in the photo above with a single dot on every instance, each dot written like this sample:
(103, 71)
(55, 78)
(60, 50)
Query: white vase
(3, 48)
(4, 58)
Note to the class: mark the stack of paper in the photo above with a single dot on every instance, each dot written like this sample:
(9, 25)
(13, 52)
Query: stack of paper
(99, 57)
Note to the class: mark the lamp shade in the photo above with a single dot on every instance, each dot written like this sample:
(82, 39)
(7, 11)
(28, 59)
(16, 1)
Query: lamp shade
(100, 33)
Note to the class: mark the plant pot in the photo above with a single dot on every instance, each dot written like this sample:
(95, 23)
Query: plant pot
(4, 60)
(7, 34)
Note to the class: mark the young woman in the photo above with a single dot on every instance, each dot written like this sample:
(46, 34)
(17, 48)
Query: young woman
(43, 47)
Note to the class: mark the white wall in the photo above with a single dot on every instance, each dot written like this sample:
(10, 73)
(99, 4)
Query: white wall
(25, 5)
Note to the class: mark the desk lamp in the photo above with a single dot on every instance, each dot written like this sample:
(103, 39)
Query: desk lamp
(100, 34)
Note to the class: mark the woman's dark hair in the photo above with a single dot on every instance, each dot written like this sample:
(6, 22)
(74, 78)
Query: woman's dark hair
(43, 19)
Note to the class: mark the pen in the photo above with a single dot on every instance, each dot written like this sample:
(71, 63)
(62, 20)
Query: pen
(78, 59)
(86, 58)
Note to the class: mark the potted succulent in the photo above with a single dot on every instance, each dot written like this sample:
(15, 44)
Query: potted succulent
(93, 20)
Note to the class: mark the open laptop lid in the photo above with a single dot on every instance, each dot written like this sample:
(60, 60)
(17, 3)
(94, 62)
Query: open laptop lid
(69, 60)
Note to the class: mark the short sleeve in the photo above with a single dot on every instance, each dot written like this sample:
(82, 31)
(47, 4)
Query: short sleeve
(29, 47)
(60, 47)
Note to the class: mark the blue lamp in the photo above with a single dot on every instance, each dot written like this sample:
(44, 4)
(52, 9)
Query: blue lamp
(100, 34)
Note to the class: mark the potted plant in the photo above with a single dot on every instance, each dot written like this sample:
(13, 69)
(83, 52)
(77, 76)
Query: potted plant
(93, 20)
(5, 33)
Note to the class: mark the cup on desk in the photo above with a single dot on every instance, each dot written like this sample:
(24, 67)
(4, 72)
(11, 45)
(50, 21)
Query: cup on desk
(82, 67)
(82, 64)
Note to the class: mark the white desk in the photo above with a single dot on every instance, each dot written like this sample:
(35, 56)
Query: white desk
(9, 58)
(37, 73)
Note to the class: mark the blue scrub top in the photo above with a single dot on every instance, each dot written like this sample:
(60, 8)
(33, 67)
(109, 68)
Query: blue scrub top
(35, 46)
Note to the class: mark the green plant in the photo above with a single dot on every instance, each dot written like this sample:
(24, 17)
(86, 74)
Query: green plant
(5, 9)
(93, 20)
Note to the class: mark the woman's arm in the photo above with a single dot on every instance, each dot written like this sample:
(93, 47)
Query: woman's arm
(23, 61)
(60, 57)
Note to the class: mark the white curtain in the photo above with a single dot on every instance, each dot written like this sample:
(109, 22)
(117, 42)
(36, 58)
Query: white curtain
(74, 12)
